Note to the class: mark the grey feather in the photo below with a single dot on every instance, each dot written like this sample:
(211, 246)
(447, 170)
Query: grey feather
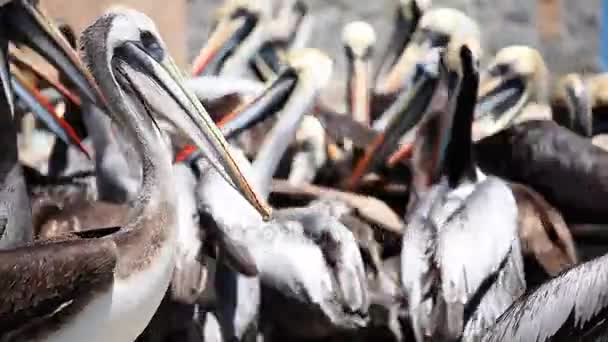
(570, 307)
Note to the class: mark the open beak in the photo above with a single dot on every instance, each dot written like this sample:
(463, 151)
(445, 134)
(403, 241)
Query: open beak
(24, 64)
(43, 109)
(578, 101)
(501, 99)
(228, 34)
(411, 106)
(268, 103)
(24, 23)
(191, 117)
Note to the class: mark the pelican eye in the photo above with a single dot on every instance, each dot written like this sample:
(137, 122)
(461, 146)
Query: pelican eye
(152, 45)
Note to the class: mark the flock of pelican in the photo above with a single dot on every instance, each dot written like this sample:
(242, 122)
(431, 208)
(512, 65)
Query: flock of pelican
(446, 200)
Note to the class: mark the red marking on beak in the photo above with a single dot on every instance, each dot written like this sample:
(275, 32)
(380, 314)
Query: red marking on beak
(363, 164)
(66, 126)
(405, 152)
(184, 153)
(55, 84)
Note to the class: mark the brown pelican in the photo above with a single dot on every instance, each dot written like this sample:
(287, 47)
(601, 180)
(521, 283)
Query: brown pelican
(241, 29)
(453, 290)
(406, 112)
(573, 106)
(571, 307)
(435, 29)
(328, 289)
(529, 148)
(359, 38)
(106, 285)
(291, 29)
(24, 23)
(406, 21)
(514, 89)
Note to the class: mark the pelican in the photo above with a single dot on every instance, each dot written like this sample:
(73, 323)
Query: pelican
(290, 29)
(107, 286)
(453, 290)
(435, 29)
(359, 38)
(573, 106)
(571, 307)
(241, 29)
(24, 23)
(328, 289)
(405, 112)
(514, 89)
(406, 21)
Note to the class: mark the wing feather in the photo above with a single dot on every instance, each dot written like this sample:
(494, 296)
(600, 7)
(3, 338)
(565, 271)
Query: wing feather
(475, 243)
(565, 308)
(46, 283)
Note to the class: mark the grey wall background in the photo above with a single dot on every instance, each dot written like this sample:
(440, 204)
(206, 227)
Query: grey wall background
(503, 23)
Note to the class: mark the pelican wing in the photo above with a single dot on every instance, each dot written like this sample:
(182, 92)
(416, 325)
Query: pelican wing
(44, 285)
(571, 307)
(474, 244)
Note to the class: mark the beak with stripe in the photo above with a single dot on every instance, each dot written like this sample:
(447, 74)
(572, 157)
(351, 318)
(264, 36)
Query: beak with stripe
(234, 26)
(25, 23)
(516, 77)
(410, 107)
(139, 59)
(43, 109)
(436, 29)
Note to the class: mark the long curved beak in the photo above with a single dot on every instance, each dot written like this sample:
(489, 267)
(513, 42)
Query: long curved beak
(397, 76)
(225, 38)
(44, 110)
(191, 118)
(404, 25)
(501, 99)
(579, 107)
(266, 104)
(411, 106)
(24, 64)
(24, 23)
(249, 115)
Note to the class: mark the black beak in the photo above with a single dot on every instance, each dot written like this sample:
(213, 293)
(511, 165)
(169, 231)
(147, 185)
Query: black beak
(268, 103)
(43, 109)
(228, 34)
(133, 62)
(409, 109)
(26, 24)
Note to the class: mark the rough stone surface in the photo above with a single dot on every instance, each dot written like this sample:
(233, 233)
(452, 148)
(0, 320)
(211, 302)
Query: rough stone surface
(503, 22)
